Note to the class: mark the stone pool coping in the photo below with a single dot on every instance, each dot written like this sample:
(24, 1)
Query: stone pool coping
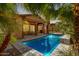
(34, 52)
(60, 47)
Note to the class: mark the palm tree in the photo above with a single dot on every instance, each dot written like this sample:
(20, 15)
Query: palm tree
(7, 23)
(71, 16)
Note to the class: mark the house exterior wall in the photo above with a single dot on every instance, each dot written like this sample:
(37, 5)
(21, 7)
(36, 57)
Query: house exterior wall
(19, 32)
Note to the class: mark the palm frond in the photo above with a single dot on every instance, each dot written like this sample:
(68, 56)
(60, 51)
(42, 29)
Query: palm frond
(7, 21)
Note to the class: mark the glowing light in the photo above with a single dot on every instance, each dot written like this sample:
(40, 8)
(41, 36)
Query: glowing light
(50, 36)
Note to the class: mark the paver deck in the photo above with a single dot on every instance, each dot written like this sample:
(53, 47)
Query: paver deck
(20, 47)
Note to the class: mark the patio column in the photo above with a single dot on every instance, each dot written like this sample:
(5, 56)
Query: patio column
(29, 29)
(43, 29)
(47, 28)
(36, 28)
(52, 27)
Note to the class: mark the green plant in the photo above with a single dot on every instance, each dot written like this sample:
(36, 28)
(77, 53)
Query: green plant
(8, 24)
(13, 39)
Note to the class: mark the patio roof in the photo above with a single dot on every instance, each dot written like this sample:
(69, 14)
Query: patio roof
(27, 15)
(32, 19)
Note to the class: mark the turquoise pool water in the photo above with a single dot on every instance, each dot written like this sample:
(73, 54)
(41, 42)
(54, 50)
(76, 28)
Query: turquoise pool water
(45, 44)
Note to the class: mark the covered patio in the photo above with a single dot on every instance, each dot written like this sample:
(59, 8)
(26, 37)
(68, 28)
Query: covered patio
(34, 25)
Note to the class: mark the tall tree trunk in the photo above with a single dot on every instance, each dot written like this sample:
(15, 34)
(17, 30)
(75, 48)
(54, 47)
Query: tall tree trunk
(5, 42)
(76, 28)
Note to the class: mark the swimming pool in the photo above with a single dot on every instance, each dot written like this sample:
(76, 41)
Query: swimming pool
(45, 44)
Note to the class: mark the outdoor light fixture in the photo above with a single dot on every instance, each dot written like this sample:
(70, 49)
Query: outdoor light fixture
(54, 21)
